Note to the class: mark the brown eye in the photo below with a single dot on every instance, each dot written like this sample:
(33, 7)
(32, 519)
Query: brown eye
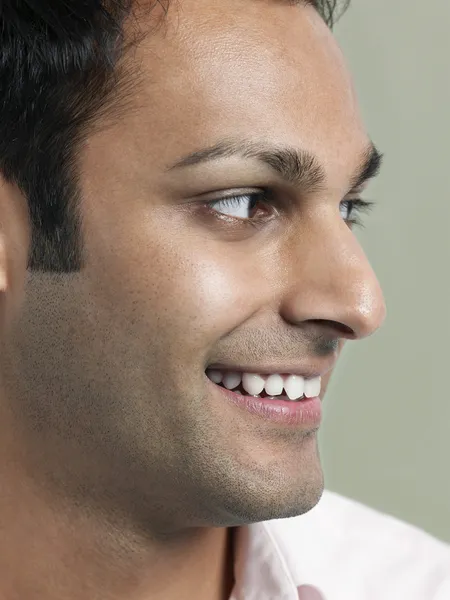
(241, 206)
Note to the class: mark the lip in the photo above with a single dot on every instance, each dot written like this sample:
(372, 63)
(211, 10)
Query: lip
(306, 372)
(305, 413)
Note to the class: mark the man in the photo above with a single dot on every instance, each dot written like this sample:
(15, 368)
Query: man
(179, 185)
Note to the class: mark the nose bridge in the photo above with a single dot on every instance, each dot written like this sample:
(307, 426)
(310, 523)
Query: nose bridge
(332, 280)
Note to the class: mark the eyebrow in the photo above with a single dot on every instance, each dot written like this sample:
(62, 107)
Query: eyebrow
(369, 166)
(297, 167)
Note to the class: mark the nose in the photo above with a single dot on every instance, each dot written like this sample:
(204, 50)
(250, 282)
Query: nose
(331, 280)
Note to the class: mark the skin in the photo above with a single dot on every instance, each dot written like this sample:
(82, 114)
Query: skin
(122, 474)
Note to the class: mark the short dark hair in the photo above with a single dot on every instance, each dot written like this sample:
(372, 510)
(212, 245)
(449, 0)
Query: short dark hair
(63, 74)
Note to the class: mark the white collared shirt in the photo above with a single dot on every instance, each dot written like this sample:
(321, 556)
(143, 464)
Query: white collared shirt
(340, 550)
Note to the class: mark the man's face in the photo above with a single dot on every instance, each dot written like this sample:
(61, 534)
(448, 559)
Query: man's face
(113, 359)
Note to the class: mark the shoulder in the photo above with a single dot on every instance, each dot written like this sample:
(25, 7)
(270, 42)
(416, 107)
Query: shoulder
(343, 545)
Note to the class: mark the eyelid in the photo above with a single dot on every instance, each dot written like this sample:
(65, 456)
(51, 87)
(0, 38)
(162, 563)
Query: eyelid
(357, 191)
(218, 195)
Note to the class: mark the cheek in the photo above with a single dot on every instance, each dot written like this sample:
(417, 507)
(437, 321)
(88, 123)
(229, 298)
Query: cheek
(208, 296)
(172, 287)
(168, 279)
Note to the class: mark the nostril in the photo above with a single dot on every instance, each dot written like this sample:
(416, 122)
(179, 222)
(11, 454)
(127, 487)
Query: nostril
(336, 328)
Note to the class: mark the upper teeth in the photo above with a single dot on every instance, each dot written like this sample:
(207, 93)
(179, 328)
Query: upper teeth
(253, 383)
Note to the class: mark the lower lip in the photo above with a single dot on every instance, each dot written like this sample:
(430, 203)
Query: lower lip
(306, 412)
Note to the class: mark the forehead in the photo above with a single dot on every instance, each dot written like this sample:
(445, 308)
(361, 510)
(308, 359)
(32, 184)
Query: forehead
(261, 69)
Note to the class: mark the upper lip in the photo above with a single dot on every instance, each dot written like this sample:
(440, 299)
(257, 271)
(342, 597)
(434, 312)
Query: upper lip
(307, 371)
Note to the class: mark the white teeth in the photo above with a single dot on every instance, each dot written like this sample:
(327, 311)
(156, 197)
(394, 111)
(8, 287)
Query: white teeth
(274, 385)
(231, 380)
(312, 387)
(252, 383)
(215, 376)
(294, 386)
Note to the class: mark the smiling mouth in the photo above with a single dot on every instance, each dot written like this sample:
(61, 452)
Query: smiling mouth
(298, 410)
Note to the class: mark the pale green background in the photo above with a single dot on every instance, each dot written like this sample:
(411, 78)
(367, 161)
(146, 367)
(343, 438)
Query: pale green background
(385, 439)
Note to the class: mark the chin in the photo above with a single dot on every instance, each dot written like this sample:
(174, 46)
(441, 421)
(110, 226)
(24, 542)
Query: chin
(295, 502)
(276, 498)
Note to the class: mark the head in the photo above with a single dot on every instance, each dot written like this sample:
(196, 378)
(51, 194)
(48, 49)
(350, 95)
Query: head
(123, 272)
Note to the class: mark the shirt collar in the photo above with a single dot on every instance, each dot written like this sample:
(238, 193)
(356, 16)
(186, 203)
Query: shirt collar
(263, 568)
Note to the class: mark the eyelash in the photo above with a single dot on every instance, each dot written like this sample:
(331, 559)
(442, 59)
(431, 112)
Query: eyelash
(357, 205)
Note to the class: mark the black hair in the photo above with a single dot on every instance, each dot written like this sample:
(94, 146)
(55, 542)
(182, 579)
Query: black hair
(63, 73)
